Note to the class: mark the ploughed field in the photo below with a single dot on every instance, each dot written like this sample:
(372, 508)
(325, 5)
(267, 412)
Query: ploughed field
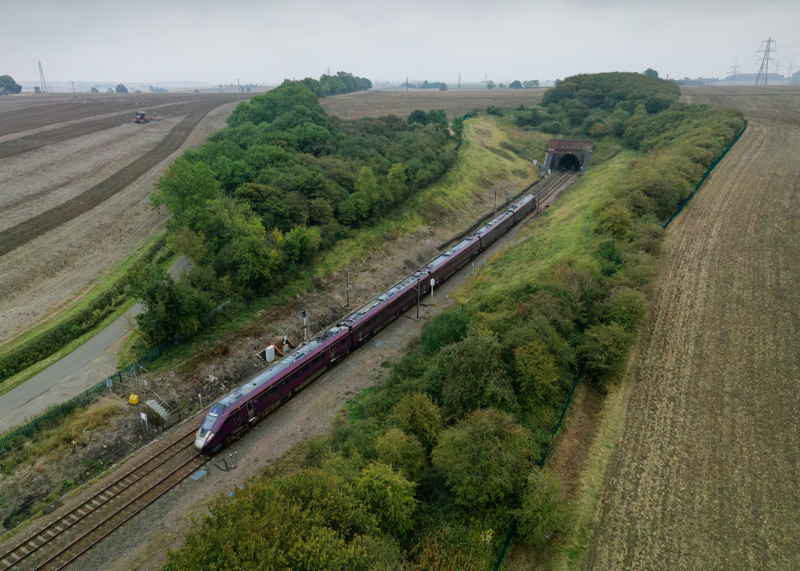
(75, 182)
(706, 474)
(453, 102)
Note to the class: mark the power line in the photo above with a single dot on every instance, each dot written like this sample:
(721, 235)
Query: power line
(735, 70)
(763, 72)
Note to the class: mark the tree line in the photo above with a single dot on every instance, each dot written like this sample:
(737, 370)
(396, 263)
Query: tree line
(429, 469)
(282, 183)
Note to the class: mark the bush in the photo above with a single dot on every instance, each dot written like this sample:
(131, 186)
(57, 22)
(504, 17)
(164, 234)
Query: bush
(604, 350)
(446, 328)
(484, 458)
(402, 452)
(539, 377)
(626, 307)
(475, 376)
(417, 414)
(543, 510)
(616, 220)
(390, 497)
(496, 111)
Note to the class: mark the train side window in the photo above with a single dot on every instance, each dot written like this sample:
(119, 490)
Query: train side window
(295, 375)
(333, 351)
(314, 361)
(305, 368)
(284, 382)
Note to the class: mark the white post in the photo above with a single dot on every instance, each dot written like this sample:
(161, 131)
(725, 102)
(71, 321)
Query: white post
(199, 396)
(433, 283)
(473, 269)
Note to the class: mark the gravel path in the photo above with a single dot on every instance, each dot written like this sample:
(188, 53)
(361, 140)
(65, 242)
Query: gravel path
(706, 474)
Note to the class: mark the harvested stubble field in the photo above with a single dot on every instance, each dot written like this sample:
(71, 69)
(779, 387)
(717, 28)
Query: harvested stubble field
(453, 102)
(74, 193)
(707, 468)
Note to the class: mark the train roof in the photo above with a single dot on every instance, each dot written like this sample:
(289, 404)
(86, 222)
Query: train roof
(281, 366)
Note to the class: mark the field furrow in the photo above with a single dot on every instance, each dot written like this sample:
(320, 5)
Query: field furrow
(706, 471)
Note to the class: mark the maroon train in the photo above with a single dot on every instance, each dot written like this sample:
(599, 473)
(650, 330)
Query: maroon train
(231, 416)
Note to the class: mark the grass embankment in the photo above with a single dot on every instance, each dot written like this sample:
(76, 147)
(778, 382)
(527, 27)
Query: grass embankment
(442, 457)
(44, 345)
(482, 162)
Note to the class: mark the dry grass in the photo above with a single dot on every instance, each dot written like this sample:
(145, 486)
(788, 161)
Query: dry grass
(453, 102)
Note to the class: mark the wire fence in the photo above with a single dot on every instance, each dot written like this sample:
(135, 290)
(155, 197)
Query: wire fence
(705, 176)
(512, 529)
(57, 415)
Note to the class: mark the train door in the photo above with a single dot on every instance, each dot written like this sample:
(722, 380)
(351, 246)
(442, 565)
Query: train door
(333, 351)
(250, 412)
(237, 420)
(360, 333)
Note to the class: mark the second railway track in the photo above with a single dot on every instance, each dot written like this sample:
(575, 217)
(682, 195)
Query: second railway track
(72, 535)
(83, 526)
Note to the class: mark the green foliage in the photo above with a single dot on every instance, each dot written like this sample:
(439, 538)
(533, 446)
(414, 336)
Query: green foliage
(121, 89)
(616, 220)
(475, 376)
(390, 496)
(604, 350)
(260, 200)
(650, 72)
(418, 116)
(606, 90)
(402, 452)
(445, 328)
(543, 512)
(484, 458)
(515, 85)
(262, 527)
(496, 111)
(458, 127)
(7, 82)
(416, 414)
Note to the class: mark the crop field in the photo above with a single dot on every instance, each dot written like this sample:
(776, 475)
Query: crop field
(707, 465)
(453, 102)
(74, 189)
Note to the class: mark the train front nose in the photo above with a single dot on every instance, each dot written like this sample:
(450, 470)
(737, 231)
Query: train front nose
(198, 443)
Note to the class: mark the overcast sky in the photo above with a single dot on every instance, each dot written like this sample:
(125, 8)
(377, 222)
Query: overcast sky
(264, 42)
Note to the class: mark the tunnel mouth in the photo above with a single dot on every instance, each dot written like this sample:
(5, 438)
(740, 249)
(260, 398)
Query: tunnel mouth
(569, 162)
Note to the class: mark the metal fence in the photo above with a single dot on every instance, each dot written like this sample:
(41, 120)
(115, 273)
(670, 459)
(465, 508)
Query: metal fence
(705, 176)
(56, 416)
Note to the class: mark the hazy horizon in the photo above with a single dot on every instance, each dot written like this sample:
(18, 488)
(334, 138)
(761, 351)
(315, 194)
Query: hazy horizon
(89, 41)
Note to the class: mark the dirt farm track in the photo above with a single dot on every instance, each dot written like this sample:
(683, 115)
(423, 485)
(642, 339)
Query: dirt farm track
(74, 187)
(706, 474)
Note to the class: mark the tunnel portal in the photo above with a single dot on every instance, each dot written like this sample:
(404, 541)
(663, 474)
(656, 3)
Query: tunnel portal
(569, 154)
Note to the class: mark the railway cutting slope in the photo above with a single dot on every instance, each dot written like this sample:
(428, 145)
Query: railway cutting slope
(706, 474)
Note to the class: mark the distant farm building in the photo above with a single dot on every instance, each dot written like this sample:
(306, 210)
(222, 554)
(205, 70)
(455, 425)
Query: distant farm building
(569, 154)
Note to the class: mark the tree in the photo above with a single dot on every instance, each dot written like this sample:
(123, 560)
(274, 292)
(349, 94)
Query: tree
(539, 378)
(458, 126)
(484, 458)
(604, 350)
(475, 376)
(490, 85)
(109, 90)
(543, 510)
(11, 86)
(616, 220)
(501, 85)
(650, 72)
(390, 497)
(515, 85)
(418, 116)
(402, 452)
(95, 90)
(530, 84)
(438, 119)
(443, 87)
(248, 89)
(121, 89)
(417, 414)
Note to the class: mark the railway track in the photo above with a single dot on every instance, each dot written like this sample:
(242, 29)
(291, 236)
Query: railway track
(76, 532)
(72, 535)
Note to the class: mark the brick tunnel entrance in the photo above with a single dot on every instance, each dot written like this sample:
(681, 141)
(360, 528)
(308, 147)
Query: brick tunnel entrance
(569, 163)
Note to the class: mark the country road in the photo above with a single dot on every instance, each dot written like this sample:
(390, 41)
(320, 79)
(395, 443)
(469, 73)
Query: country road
(86, 366)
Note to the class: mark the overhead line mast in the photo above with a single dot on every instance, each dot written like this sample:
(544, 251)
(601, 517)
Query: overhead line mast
(763, 72)
(41, 79)
(734, 72)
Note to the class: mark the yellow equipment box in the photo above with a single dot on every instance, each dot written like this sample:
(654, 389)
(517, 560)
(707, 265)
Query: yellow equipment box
(134, 399)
